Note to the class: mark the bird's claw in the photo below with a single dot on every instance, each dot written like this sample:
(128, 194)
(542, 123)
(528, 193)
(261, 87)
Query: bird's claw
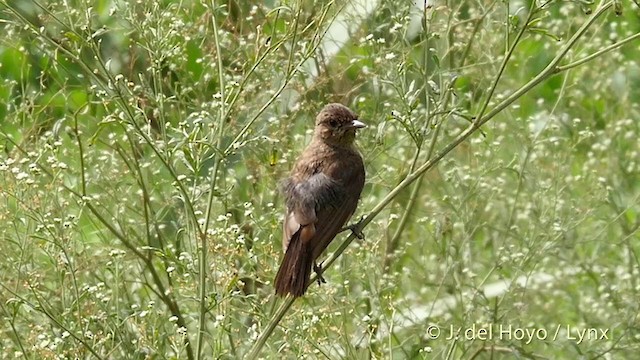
(318, 269)
(355, 229)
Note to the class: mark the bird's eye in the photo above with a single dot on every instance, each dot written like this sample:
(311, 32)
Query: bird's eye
(333, 123)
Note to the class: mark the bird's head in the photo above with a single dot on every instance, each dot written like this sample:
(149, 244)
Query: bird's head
(336, 125)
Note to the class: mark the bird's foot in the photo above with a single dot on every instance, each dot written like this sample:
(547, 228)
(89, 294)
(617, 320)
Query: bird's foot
(318, 269)
(355, 229)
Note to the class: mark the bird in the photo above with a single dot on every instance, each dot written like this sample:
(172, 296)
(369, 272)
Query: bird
(321, 194)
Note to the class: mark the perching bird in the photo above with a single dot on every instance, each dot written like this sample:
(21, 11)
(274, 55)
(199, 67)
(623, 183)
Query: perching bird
(321, 194)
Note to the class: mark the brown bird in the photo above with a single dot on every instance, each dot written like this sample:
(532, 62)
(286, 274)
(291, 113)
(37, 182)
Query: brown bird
(321, 194)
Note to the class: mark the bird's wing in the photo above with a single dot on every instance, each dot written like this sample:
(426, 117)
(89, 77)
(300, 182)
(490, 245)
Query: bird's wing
(330, 220)
(304, 198)
(304, 244)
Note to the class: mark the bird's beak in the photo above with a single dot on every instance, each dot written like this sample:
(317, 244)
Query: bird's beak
(358, 124)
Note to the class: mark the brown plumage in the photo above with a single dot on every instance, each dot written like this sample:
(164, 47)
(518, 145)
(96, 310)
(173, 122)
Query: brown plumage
(321, 194)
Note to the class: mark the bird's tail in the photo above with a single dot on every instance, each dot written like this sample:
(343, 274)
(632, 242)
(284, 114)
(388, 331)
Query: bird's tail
(295, 270)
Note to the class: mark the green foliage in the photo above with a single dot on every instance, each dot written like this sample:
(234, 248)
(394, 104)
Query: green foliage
(142, 144)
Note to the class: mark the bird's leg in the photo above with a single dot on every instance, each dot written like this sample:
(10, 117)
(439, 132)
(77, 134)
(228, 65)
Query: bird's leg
(318, 269)
(355, 229)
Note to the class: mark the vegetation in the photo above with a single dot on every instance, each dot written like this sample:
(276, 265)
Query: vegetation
(143, 141)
